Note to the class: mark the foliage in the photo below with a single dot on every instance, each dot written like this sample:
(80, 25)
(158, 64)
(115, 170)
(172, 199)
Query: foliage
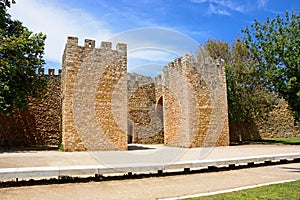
(61, 147)
(21, 53)
(247, 99)
(275, 45)
(218, 50)
(288, 190)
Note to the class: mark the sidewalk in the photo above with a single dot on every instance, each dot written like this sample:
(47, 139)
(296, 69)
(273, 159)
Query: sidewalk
(142, 159)
(27, 163)
(146, 154)
(157, 187)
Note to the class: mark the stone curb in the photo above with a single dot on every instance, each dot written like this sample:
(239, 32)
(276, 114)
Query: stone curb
(111, 169)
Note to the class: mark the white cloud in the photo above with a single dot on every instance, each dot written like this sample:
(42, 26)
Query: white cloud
(150, 69)
(149, 60)
(262, 3)
(154, 45)
(223, 7)
(57, 23)
(145, 45)
(156, 38)
(154, 55)
(213, 10)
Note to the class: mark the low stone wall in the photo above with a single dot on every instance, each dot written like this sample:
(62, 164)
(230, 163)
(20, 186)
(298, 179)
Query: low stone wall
(248, 131)
(279, 123)
(40, 124)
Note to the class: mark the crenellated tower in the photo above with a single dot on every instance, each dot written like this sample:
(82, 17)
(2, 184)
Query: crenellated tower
(94, 96)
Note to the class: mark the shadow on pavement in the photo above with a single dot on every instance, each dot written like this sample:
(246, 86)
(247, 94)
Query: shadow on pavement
(22, 149)
(132, 147)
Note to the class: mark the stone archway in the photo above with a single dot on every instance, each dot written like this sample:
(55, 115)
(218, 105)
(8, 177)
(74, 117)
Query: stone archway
(99, 96)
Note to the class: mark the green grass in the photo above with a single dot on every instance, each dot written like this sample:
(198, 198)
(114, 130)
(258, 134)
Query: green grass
(61, 147)
(290, 190)
(294, 141)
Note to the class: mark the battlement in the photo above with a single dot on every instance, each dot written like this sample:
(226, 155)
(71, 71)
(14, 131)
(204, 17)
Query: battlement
(51, 72)
(180, 64)
(89, 43)
(135, 81)
(106, 45)
(91, 73)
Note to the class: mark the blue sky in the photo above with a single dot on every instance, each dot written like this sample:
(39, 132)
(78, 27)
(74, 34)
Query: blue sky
(156, 31)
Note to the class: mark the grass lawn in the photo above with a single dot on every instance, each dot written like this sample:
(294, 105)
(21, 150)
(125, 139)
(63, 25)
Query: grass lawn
(295, 141)
(290, 190)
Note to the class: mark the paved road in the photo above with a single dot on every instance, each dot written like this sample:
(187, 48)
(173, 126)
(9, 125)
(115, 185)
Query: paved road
(157, 187)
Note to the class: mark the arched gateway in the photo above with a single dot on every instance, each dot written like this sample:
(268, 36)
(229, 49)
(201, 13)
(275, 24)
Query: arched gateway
(101, 103)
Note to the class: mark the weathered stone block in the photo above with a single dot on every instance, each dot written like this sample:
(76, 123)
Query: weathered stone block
(90, 121)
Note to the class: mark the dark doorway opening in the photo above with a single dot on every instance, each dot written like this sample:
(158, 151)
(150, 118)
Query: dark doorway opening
(129, 132)
(160, 109)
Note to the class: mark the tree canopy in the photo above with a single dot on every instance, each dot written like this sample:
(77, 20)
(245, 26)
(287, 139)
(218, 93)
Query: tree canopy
(21, 54)
(275, 45)
(247, 99)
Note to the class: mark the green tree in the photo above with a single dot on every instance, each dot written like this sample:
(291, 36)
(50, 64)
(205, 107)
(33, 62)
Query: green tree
(218, 50)
(21, 54)
(275, 45)
(247, 98)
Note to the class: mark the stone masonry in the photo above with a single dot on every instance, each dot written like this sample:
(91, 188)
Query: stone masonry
(40, 124)
(185, 107)
(94, 104)
(195, 103)
(145, 120)
(94, 96)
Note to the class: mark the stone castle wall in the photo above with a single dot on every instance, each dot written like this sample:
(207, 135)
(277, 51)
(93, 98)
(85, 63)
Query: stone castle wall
(278, 123)
(99, 106)
(94, 104)
(40, 124)
(195, 103)
(145, 123)
(94, 96)
(186, 106)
